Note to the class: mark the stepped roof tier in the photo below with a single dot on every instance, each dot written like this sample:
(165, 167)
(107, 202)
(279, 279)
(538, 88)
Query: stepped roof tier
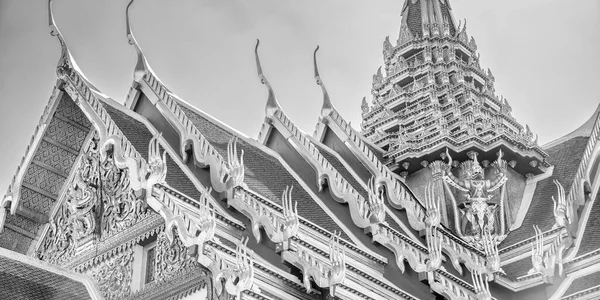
(156, 199)
(432, 93)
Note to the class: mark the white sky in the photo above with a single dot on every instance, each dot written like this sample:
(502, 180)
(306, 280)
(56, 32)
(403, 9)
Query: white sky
(544, 54)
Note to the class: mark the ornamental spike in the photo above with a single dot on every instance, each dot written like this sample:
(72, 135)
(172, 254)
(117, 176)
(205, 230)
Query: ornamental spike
(272, 104)
(327, 105)
(141, 67)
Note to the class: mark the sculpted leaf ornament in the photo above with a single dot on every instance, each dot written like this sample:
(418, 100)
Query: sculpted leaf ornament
(290, 224)
(376, 205)
(235, 165)
(561, 207)
(537, 252)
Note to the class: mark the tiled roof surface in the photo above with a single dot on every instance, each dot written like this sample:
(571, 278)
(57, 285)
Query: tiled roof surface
(177, 180)
(583, 283)
(566, 158)
(136, 132)
(23, 281)
(264, 174)
(590, 240)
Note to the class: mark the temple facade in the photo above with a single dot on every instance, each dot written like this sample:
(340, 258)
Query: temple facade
(441, 194)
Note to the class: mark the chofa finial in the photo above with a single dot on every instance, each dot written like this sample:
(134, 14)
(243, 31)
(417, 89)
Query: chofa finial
(66, 60)
(272, 104)
(327, 106)
(65, 55)
(141, 67)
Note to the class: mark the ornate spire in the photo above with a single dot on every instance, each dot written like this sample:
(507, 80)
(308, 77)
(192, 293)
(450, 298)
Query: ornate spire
(272, 104)
(142, 67)
(428, 18)
(327, 105)
(66, 60)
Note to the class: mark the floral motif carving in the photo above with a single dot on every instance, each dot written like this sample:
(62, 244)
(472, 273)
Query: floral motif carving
(173, 258)
(122, 208)
(114, 275)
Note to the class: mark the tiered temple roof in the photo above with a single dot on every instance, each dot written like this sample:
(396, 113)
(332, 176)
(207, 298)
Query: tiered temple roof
(156, 199)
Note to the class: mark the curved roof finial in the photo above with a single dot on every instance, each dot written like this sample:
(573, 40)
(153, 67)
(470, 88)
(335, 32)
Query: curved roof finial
(272, 104)
(66, 60)
(327, 105)
(65, 56)
(141, 67)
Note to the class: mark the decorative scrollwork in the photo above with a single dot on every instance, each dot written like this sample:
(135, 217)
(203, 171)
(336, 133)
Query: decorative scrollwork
(172, 258)
(114, 275)
(278, 226)
(239, 276)
(545, 261)
(403, 249)
(194, 224)
(312, 267)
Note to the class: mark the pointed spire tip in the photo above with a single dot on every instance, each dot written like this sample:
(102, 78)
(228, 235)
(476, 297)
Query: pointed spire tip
(272, 105)
(327, 107)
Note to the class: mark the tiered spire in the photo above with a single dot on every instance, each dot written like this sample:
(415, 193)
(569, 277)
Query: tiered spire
(433, 93)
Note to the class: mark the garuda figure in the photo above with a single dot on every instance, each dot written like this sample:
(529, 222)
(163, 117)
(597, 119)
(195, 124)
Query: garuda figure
(478, 207)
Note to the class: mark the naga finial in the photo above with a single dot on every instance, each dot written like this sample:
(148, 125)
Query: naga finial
(272, 104)
(327, 105)
(65, 55)
(141, 67)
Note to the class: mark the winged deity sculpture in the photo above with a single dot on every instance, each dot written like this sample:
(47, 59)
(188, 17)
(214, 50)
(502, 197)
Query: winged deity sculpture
(479, 209)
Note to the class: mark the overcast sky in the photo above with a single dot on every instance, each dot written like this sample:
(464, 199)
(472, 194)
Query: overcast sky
(544, 54)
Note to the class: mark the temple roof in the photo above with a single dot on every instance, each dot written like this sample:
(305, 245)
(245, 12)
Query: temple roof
(565, 157)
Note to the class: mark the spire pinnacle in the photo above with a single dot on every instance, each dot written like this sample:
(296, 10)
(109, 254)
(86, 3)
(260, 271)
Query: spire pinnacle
(272, 104)
(141, 67)
(327, 105)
